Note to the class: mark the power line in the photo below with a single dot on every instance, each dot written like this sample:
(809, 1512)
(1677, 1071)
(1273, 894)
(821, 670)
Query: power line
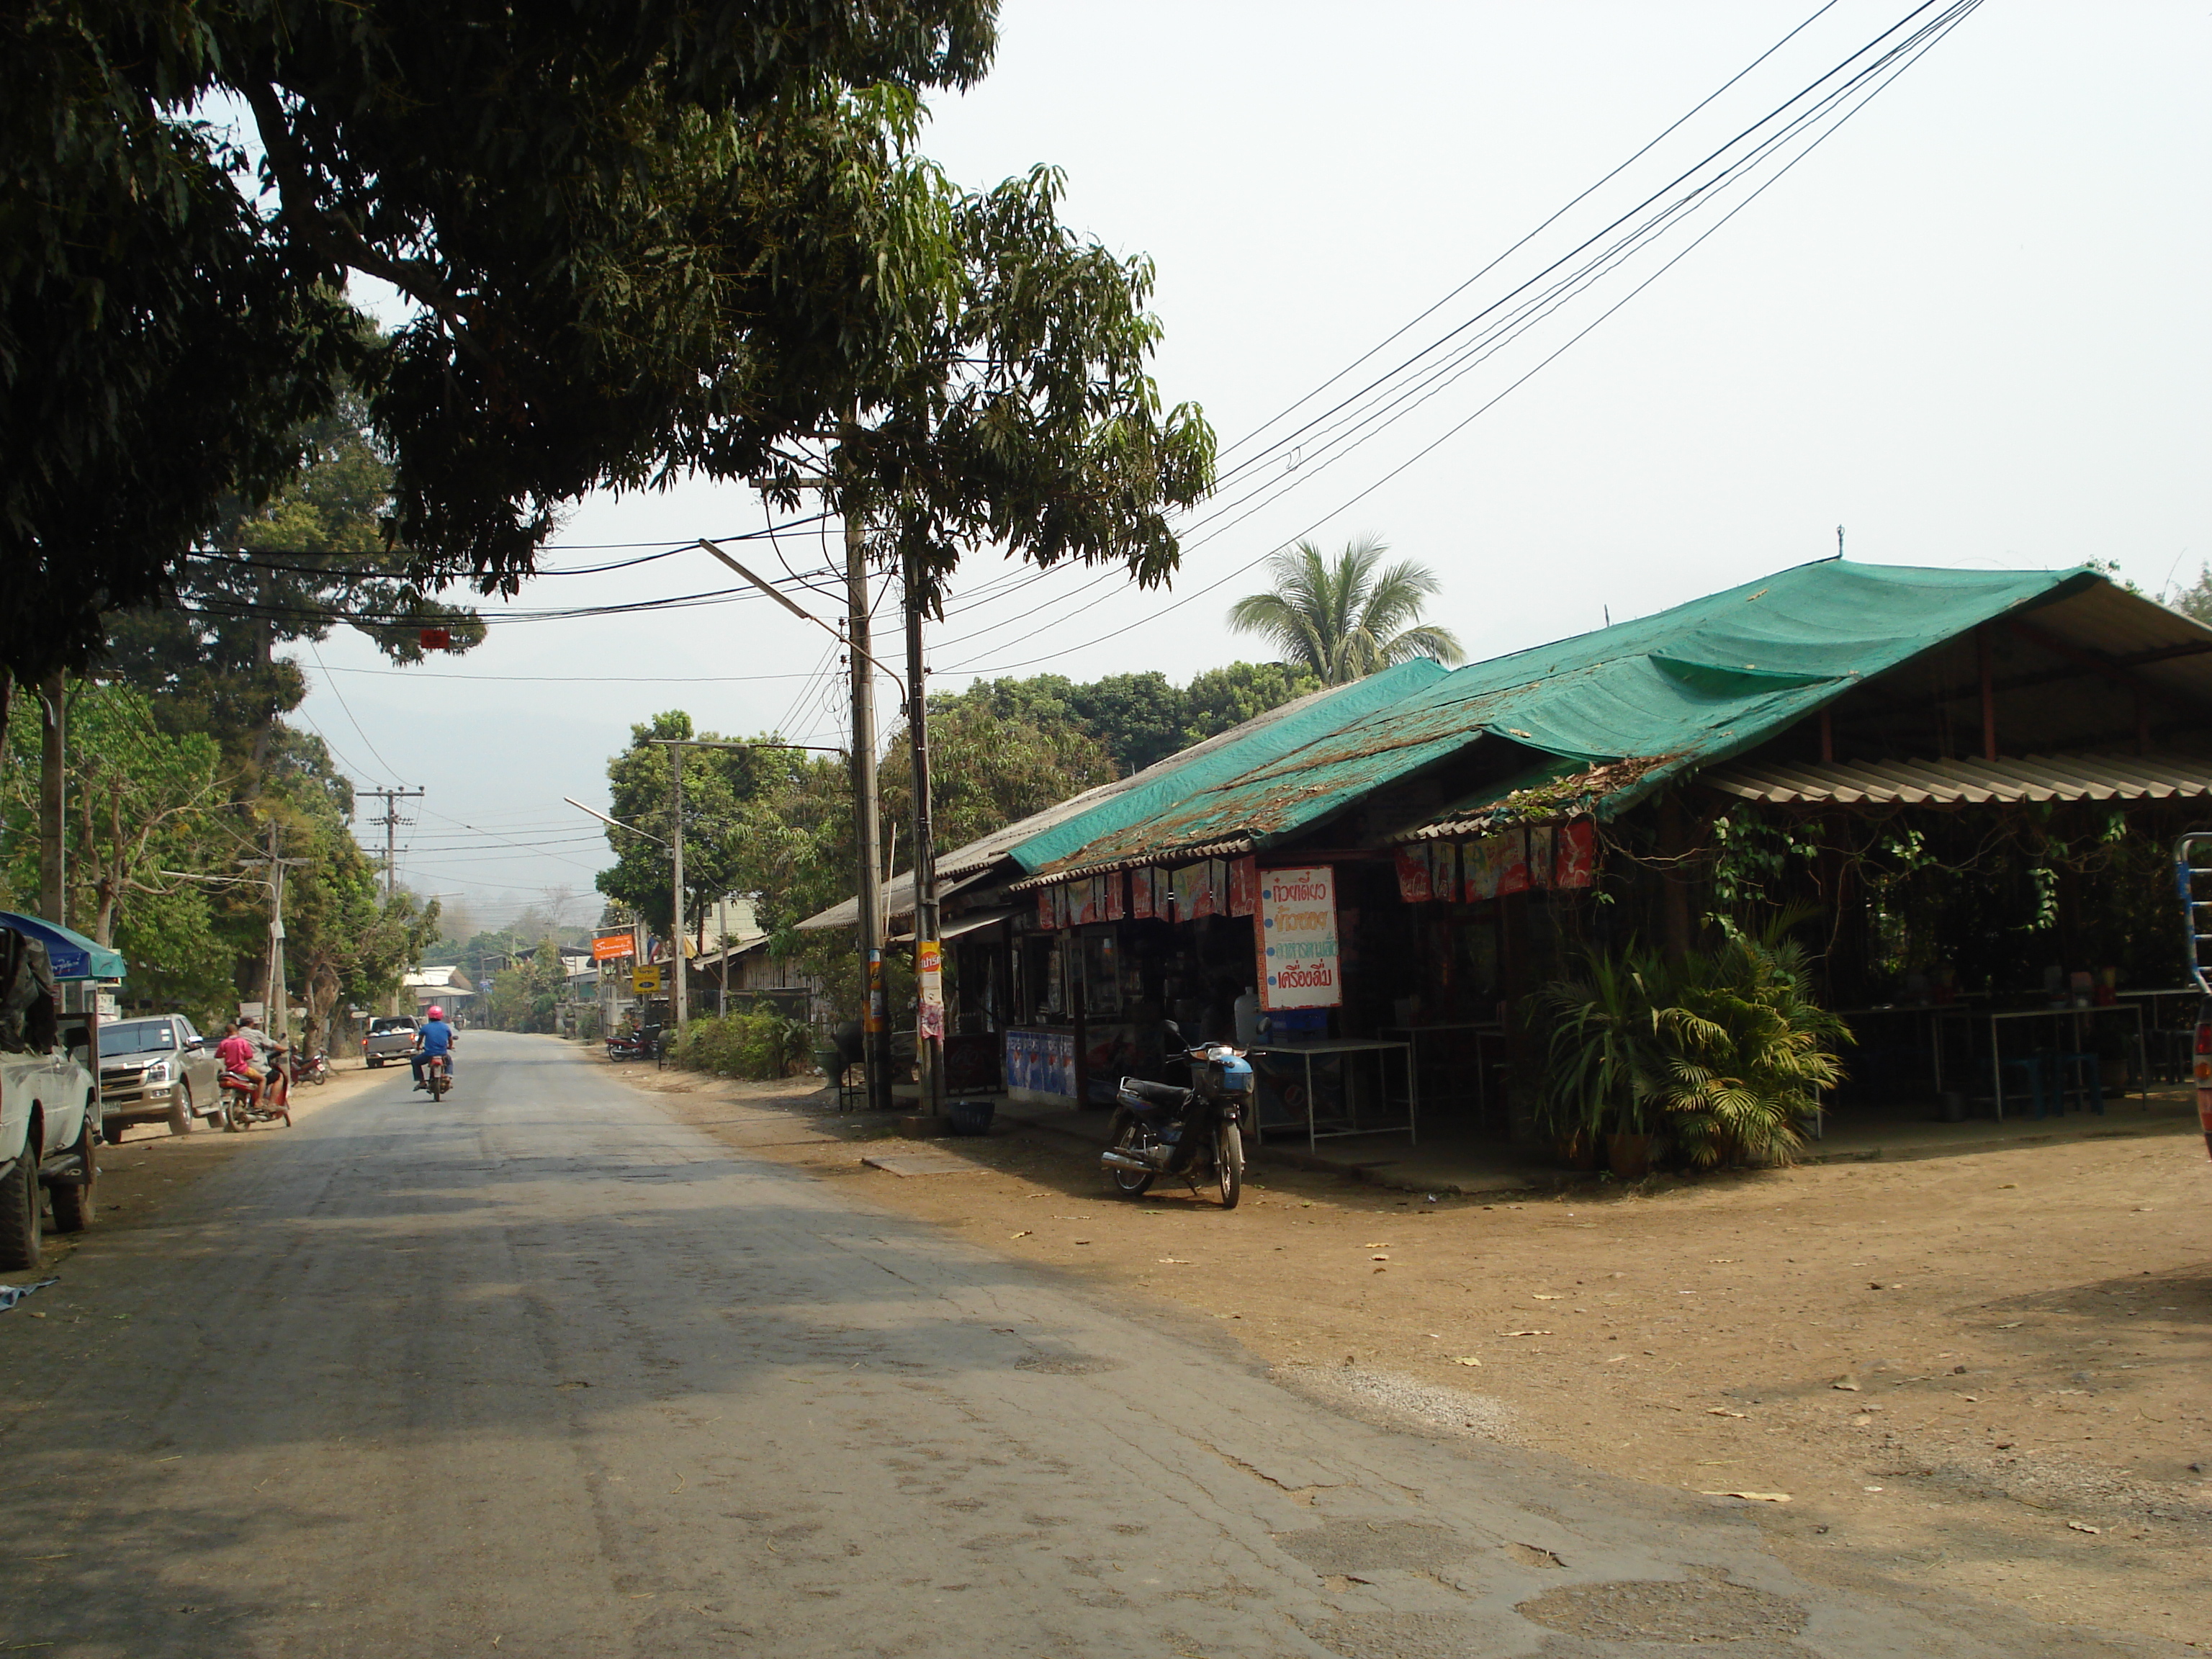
(1864, 83)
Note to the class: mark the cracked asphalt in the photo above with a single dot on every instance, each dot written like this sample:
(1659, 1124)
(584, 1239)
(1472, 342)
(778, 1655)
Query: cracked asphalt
(540, 1372)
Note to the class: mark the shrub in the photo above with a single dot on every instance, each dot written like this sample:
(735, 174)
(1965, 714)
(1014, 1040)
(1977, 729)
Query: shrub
(1728, 1050)
(760, 1044)
(1750, 1053)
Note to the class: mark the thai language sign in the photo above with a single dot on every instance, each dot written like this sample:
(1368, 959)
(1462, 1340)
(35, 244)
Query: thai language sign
(1300, 963)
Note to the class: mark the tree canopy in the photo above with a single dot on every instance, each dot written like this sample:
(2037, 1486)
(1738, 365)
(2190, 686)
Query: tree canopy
(1345, 617)
(639, 240)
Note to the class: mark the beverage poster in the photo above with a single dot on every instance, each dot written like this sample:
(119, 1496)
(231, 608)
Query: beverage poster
(1412, 864)
(1140, 894)
(1496, 864)
(1300, 960)
(929, 981)
(1117, 886)
(1443, 870)
(1045, 908)
(1577, 854)
(1539, 855)
(1243, 886)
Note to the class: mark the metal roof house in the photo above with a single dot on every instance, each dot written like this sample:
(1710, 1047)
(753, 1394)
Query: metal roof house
(1826, 699)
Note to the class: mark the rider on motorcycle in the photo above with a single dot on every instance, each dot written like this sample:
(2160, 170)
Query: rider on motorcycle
(237, 1055)
(433, 1038)
(271, 1056)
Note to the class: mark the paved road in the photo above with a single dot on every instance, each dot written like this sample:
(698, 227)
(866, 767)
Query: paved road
(538, 1372)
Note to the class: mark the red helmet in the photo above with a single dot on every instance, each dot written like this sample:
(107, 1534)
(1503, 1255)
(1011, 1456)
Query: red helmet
(436, 1013)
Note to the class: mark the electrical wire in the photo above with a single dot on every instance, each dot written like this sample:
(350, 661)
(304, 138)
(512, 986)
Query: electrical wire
(1866, 83)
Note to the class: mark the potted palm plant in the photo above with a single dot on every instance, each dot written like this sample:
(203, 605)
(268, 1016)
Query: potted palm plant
(1749, 1054)
(1605, 1052)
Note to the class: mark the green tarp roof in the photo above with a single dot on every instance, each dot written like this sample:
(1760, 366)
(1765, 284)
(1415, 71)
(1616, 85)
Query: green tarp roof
(1679, 688)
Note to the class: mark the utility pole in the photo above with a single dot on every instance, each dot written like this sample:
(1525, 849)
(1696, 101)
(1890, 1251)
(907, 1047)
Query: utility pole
(54, 735)
(276, 1002)
(875, 1022)
(928, 960)
(390, 821)
(875, 1025)
(675, 746)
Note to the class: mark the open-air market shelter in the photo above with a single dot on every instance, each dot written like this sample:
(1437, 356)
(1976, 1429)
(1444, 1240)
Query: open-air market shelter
(1966, 779)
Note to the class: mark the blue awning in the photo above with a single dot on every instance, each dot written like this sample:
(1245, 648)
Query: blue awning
(72, 955)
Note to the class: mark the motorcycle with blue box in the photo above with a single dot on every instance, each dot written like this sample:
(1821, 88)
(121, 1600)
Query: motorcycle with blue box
(1196, 1133)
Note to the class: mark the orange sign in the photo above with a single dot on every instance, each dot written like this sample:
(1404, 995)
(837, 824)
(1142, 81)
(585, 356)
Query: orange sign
(607, 946)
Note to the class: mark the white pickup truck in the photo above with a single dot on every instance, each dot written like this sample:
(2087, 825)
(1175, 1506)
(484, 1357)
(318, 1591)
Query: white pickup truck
(49, 1111)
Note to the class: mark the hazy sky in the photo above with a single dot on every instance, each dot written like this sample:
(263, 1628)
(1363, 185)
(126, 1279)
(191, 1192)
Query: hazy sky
(1969, 327)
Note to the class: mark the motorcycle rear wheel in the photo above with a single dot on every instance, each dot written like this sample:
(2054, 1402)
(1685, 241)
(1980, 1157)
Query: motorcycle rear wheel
(1229, 1163)
(1125, 1135)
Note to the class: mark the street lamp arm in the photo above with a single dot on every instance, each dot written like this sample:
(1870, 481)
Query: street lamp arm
(906, 697)
(616, 823)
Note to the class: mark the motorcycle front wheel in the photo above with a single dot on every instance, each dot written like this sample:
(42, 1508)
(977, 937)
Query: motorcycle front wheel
(1229, 1163)
(1126, 1135)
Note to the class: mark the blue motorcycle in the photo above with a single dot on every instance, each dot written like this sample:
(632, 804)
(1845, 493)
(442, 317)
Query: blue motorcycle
(1196, 1133)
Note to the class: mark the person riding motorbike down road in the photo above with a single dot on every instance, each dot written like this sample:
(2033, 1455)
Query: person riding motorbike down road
(433, 1038)
(238, 1055)
(273, 1057)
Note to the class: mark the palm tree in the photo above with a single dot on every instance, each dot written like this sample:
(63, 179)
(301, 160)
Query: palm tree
(1345, 619)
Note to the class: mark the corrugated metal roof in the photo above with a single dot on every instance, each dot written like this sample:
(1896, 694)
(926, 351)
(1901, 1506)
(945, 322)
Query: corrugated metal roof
(1681, 688)
(1956, 782)
(1250, 741)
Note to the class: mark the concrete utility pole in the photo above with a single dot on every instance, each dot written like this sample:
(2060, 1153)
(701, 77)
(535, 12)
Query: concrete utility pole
(929, 1017)
(675, 746)
(390, 821)
(875, 1021)
(54, 734)
(276, 1002)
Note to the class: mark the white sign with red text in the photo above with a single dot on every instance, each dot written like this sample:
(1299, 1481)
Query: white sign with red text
(1300, 963)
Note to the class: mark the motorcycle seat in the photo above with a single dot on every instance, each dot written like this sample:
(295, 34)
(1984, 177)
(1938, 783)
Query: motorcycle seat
(1155, 1094)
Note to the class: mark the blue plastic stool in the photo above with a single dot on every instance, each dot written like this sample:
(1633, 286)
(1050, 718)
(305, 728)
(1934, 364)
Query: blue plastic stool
(2088, 1080)
(2030, 1066)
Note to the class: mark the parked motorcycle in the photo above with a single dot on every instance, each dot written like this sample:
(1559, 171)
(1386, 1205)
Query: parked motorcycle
(239, 1112)
(312, 1068)
(642, 1044)
(1196, 1133)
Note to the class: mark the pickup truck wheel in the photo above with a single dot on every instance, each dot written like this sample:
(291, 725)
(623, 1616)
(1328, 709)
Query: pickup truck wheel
(180, 1111)
(375, 1064)
(112, 1133)
(21, 1246)
(74, 1208)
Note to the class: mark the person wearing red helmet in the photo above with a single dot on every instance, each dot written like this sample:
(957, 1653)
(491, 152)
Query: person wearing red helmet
(433, 1037)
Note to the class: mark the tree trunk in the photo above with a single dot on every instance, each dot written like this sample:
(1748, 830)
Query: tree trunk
(53, 872)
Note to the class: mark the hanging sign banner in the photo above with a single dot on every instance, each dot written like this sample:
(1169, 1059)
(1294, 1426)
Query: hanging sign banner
(607, 946)
(1243, 886)
(929, 980)
(1414, 866)
(1300, 960)
(1577, 854)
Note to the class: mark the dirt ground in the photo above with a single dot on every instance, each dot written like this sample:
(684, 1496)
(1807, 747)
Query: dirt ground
(1986, 1372)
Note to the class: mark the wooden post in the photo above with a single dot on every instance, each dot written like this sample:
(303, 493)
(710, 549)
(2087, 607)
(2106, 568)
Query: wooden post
(1673, 848)
(1989, 694)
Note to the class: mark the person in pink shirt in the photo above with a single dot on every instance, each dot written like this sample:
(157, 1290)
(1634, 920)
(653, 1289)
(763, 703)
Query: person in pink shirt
(238, 1055)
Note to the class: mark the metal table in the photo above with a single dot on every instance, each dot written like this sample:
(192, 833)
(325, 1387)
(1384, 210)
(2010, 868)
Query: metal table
(1484, 1030)
(1305, 1054)
(2078, 1016)
(1935, 1012)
